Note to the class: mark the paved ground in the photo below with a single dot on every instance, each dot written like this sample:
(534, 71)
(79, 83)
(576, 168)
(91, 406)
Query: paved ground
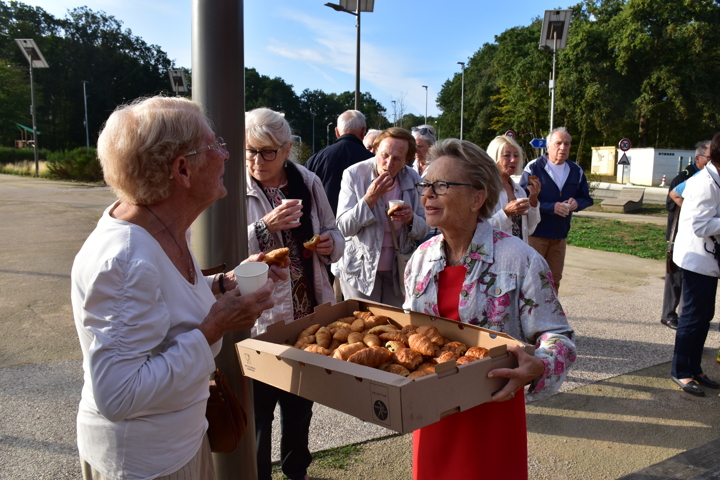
(618, 412)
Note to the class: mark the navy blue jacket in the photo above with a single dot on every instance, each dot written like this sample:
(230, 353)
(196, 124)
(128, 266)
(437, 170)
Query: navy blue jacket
(330, 163)
(554, 226)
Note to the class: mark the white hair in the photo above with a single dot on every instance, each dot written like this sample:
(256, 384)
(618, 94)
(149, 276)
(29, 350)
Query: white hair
(351, 121)
(558, 129)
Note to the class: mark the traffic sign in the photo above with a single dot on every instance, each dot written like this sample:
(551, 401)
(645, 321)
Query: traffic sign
(624, 160)
(625, 145)
(538, 143)
(510, 134)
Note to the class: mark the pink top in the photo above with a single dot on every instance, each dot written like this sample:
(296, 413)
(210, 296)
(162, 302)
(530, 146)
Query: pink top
(387, 254)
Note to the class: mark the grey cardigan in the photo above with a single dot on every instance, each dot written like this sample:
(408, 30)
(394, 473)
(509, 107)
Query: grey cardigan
(364, 228)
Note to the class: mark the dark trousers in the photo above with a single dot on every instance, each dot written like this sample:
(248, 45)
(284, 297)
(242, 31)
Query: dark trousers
(295, 416)
(672, 296)
(699, 296)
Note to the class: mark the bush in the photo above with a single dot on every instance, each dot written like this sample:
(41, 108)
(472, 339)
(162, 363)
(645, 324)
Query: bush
(78, 164)
(18, 155)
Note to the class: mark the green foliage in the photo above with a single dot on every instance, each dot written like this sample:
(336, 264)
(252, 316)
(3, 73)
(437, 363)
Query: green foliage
(644, 240)
(13, 155)
(77, 164)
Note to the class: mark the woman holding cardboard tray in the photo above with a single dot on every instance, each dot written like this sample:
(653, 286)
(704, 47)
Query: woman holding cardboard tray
(478, 275)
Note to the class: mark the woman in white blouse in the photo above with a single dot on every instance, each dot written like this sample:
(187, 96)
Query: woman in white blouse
(515, 213)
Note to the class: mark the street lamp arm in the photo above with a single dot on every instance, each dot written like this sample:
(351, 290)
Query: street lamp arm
(340, 8)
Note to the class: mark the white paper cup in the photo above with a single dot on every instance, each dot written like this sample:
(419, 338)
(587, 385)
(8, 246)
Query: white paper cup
(395, 202)
(251, 276)
(285, 200)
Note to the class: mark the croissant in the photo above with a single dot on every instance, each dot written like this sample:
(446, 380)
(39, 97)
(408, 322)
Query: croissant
(419, 374)
(344, 351)
(408, 358)
(371, 356)
(323, 337)
(445, 356)
(421, 344)
(432, 333)
(339, 324)
(342, 334)
(358, 325)
(318, 349)
(478, 352)
(334, 345)
(355, 337)
(456, 347)
(397, 369)
(408, 329)
(429, 366)
(276, 257)
(394, 346)
(394, 336)
(375, 320)
(309, 330)
(312, 243)
(363, 315)
(465, 359)
(372, 340)
(393, 209)
(382, 329)
(306, 340)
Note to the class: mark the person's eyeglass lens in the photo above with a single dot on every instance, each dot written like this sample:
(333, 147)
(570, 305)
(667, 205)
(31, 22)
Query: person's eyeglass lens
(219, 144)
(439, 187)
(267, 155)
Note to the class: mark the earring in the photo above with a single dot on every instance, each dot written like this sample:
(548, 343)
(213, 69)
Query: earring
(473, 209)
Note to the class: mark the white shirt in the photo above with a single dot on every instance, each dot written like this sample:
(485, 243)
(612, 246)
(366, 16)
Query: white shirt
(559, 173)
(146, 365)
(501, 221)
(699, 219)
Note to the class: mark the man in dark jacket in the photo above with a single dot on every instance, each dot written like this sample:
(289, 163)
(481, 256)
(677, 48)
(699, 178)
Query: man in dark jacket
(330, 162)
(564, 190)
(672, 294)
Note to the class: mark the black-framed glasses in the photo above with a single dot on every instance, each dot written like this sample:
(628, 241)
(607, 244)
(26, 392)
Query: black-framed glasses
(439, 187)
(267, 155)
(424, 130)
(219, 144)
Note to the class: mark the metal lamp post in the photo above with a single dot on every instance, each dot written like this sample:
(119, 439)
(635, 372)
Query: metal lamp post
(462, 98)
(358, 6)
(394, 102)
(313, 129)
(426, 94)
(87, 131)
(327, 144)
(554, 37)
(36, 60)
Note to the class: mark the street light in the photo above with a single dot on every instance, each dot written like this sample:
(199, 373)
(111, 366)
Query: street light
(425, 87)
(87, 132)
(327, 142)
(462, 98)
(348, 6)
(554, 37)
(394, 114)
(313, 129)
(36, 60)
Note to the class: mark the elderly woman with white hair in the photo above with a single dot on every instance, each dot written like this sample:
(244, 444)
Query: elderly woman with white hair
(424, 139)
(149, 325)
(514, 213)
(286, 207)
(475, 274)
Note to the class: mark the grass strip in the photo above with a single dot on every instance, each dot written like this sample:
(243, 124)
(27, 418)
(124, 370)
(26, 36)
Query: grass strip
(644, 240)
(337, 458)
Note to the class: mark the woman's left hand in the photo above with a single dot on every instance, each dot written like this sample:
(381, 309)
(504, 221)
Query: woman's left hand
(404, 214)
(326, 244)
(529, 368)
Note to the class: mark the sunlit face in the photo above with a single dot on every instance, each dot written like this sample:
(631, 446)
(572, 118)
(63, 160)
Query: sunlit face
(508, 161)
(268, 173)
(454, 209)
(210, 170)
(559, 147)
(702, 160)
(422, 149)
(391, 155)
(369, 140)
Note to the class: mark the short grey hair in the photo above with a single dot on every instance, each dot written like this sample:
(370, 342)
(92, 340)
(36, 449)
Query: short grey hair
(266, 128)
(558, 129)
(702, 147)
(351, 121)
(475, 165)
(429, 136)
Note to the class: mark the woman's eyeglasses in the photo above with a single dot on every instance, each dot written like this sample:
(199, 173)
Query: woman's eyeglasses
(219, 144)
(439, 187)
(267, 155)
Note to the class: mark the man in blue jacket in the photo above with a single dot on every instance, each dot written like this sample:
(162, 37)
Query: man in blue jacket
(564, 190)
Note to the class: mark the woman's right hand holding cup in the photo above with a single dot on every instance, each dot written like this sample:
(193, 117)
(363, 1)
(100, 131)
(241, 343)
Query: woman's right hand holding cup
(284, 216)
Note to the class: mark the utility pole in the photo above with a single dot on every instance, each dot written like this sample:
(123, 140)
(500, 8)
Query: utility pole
(462, 98)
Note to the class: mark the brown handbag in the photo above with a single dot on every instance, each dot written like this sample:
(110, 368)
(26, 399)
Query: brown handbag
(226, 418)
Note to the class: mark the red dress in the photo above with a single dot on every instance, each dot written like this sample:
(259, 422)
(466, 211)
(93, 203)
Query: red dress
(487, 442)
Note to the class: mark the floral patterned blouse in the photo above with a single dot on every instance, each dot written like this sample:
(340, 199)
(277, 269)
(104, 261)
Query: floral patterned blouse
(508, 288)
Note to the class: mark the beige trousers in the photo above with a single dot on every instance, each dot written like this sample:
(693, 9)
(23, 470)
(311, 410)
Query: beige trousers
(553, 251)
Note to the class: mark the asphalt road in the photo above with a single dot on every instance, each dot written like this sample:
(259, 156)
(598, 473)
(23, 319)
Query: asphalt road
(617, 413)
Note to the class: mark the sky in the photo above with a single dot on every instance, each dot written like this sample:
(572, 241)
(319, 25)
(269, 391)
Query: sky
(405, 44)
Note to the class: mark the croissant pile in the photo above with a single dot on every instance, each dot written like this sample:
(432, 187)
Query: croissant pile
(370, 340)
